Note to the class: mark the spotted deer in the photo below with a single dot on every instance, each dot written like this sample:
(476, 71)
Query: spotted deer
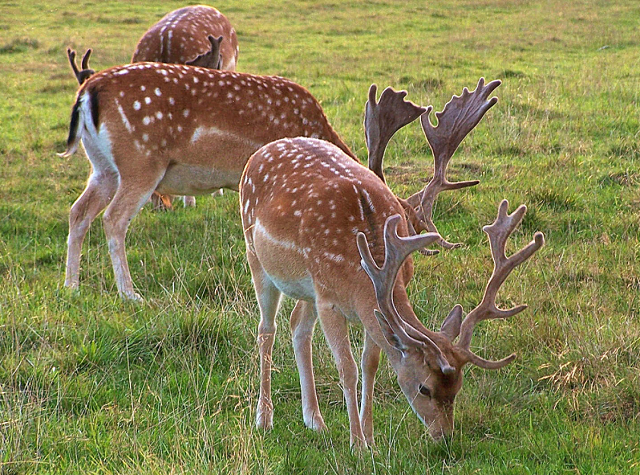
(180, 130)
(183, 35)
(196, 35)
(321, 229)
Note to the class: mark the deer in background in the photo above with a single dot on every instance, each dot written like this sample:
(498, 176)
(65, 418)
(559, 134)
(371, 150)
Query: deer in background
(321, 228)
(184, 35)
(180, 130)
(198, 36)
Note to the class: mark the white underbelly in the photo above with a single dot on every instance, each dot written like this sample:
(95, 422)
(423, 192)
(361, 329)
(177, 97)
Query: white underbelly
(301, 289)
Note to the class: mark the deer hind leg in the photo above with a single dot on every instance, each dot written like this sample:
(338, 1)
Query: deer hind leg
(268, 300)
(161, 202)
(369, 364)
(129, 198)
(303, 321)
(336, 332)
(189, 201)
(99, 191)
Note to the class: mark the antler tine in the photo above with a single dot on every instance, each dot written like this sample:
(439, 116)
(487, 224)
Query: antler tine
(81, 76)
(383, 119)
(209, 59)
(459, 116)
(85, 59)
(396, 251)
(498, 233)
(71, 54)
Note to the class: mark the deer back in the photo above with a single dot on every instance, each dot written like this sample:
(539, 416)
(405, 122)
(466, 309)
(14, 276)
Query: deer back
(182, 35)
(163, 114)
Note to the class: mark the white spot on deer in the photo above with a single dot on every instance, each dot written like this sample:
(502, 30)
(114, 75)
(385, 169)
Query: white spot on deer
(143, 88)
(147, 100)
(146, 120)
(185, 112)
(158, 92)
(158, 115)
(172, 101)
(145, 137)
(136, 105)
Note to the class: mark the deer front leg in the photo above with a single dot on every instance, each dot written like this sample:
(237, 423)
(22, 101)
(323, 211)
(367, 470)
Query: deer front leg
(268, 300)
(96, 196)
(303, 321)
(336, 332)
(369, 364)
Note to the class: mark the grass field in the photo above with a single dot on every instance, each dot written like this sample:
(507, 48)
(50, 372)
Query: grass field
(92, 384)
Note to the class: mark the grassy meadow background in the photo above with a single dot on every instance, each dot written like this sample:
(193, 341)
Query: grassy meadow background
(93, 384)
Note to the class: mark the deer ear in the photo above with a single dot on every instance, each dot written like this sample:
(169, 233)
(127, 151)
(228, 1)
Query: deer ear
(389, 334)
(451, 325)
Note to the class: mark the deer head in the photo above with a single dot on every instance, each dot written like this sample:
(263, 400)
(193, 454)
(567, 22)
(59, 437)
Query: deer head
(430, 373)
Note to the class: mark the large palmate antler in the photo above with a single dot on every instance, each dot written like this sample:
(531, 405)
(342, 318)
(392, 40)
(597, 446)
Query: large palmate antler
(81, 76)
(383, 119)
(459, 116)
(498, 233)
(397, 249)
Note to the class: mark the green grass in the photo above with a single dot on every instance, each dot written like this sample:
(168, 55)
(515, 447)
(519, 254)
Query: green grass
(92, 384)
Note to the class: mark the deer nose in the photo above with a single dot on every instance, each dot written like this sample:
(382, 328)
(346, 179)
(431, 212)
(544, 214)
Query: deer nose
(440, 432)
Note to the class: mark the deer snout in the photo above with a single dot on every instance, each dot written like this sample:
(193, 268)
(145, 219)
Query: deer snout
(442, 427)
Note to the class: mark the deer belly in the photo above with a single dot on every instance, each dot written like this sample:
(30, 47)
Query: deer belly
(301, 289)
(182, 179)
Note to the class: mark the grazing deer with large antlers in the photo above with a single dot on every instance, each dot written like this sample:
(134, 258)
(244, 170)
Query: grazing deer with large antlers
(177, 129)
(317, 226)
(197, 35)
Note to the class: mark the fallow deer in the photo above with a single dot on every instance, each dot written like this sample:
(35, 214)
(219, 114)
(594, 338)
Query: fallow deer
(184, 34)
(316, 225)
(180, 130)
(196, 35)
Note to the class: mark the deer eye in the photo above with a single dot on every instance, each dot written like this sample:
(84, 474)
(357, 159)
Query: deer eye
(424, 390)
